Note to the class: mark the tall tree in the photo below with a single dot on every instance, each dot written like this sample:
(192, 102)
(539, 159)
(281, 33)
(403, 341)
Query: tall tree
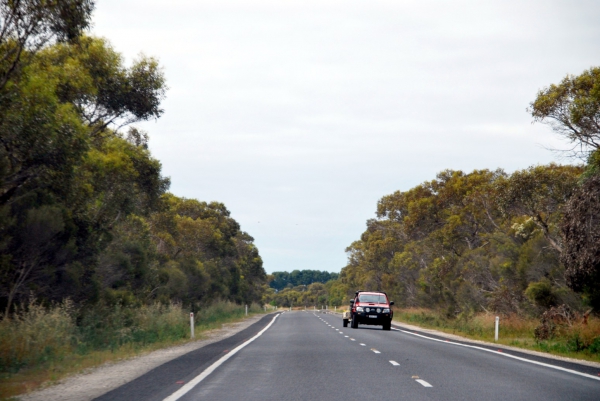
(572, 108)
(65, 178)
(26, 26)
(581, 229)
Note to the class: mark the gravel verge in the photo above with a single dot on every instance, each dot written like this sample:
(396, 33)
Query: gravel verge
(97, 381)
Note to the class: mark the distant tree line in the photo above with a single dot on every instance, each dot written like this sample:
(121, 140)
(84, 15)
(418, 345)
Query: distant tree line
(84, 210)
(281, 280)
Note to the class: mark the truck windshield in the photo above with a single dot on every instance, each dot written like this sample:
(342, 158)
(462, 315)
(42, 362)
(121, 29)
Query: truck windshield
(372, 298)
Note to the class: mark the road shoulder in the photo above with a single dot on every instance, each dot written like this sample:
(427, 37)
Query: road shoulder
(441, 334)
(98, 381)
(454, 337)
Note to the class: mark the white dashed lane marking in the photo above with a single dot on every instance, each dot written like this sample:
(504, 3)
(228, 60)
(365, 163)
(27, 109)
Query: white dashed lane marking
(423, 383)
(394, 363)
(364, 345)
(375, 351)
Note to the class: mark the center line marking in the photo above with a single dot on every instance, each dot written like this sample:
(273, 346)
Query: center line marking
(346, 336)
(352, 339)
(394, 363)
(423, 383)
(363, 344)
(375, 351)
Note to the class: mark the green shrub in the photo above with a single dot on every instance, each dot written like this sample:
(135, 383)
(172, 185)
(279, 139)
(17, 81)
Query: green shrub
(36, 335)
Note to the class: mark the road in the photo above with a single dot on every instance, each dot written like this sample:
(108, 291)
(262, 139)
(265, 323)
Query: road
(310, 356)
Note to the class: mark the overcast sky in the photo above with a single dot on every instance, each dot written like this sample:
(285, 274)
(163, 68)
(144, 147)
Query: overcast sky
(301, 115)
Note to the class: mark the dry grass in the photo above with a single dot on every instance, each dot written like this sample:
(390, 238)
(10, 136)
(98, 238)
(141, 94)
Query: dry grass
(576, 341)
(39, 345)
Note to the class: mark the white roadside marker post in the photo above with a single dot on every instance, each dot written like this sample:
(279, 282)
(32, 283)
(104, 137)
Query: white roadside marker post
(246, 310)
(496, 331)
(192, 324)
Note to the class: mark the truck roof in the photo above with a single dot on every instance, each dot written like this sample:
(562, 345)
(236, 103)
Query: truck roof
(370, 292)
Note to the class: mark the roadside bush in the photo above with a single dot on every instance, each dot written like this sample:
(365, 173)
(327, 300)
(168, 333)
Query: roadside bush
(35, 334)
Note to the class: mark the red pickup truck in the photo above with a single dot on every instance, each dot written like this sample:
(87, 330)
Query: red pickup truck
(369, 307)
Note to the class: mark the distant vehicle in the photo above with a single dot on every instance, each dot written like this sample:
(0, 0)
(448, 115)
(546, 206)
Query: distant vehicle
(369, 307)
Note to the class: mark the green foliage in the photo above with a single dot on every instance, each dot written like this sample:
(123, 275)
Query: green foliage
(84, 210)
(38, 336)
(35, 335)
(581, 230)
(281, 280)
(572, 108)
(28, 25)
(315, 294)
(542, 294)
(465, 243)
(202, 255)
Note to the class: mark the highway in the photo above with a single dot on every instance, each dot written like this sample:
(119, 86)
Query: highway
(303, 355)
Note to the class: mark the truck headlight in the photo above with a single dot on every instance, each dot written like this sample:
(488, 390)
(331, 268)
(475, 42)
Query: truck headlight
(386, 310)
(359, 309)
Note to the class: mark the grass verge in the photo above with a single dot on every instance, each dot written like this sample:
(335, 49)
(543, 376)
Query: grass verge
(577, 341)
(40, 345)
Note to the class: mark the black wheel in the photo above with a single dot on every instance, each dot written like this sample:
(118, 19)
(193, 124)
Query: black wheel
(387, 326)
(354, 324)
(345, 322)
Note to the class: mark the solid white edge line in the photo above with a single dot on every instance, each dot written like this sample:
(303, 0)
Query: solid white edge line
(423, 383)
(506, 355)
(192, 383)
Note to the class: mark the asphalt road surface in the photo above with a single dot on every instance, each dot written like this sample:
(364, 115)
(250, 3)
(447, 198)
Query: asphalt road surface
(310, 356)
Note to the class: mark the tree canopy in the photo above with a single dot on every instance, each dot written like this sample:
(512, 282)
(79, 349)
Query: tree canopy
(281, 280)
(572, 108)
(84, 209)
(469, 242)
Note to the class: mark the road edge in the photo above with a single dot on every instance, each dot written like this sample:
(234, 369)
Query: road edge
(410, 327)
(102, 379)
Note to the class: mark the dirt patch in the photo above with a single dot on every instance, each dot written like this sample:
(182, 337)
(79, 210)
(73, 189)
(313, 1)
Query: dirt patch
(95, 382)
